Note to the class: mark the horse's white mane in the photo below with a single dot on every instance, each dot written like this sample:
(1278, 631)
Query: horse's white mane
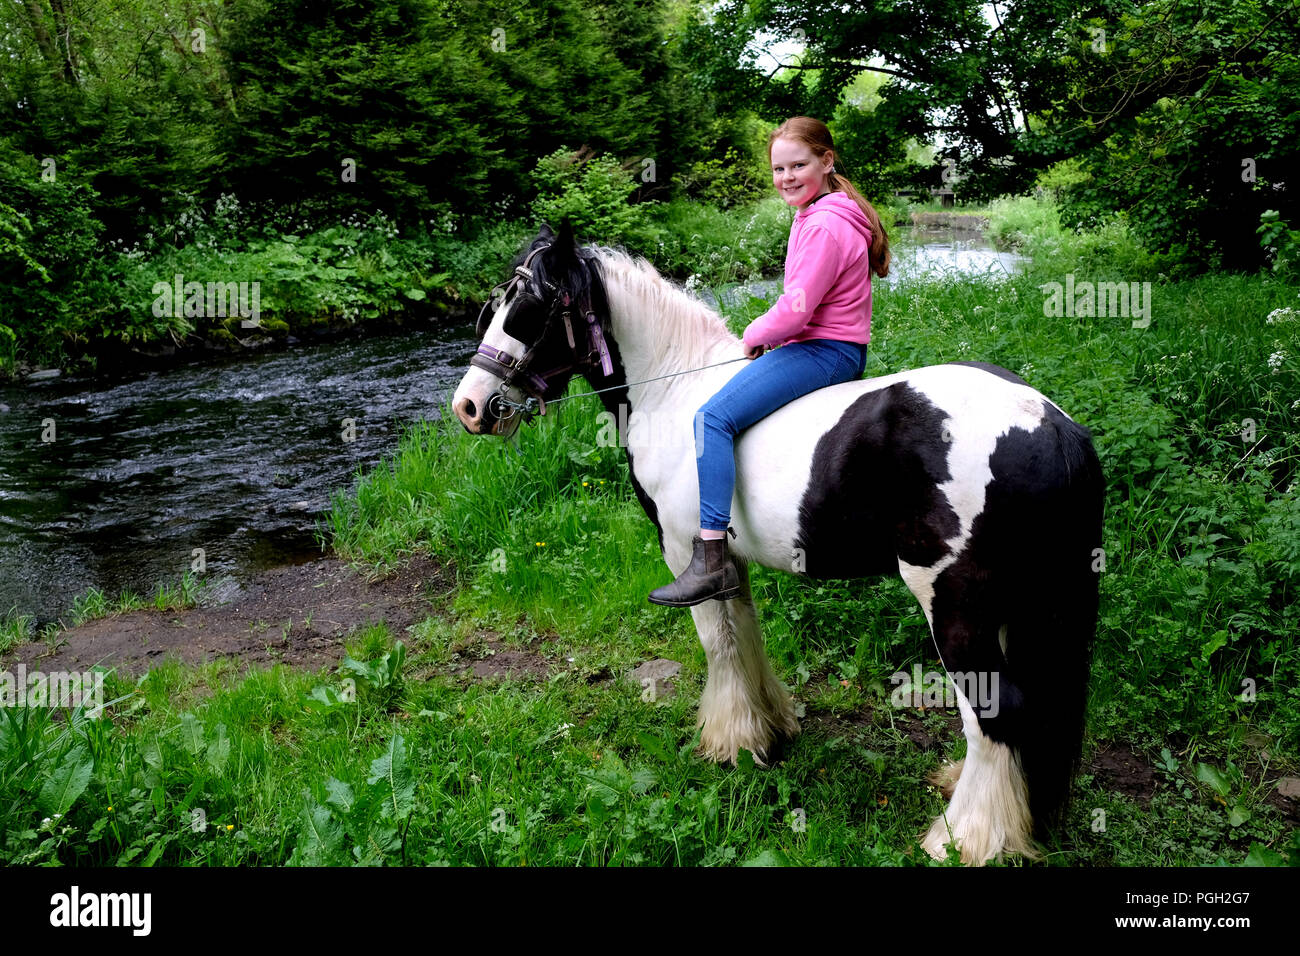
(656, 316)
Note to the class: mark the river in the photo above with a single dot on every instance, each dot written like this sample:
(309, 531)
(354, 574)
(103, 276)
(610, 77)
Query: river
(113, 483)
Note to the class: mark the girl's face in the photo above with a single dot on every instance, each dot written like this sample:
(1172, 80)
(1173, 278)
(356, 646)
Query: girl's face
(799, 177)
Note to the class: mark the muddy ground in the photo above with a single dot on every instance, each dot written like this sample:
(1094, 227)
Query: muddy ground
(297, 615)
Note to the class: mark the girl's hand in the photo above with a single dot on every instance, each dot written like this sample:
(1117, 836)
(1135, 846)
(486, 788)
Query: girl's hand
(754, 351)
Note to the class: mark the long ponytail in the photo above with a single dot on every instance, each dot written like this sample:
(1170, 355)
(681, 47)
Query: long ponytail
(879, 241)
(814, 134)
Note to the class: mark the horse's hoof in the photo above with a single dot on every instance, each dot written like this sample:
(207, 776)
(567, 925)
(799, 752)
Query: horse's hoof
(781, 747)
(946, 777)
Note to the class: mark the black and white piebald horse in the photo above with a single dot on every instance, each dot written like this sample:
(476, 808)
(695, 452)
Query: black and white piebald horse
(982, 494)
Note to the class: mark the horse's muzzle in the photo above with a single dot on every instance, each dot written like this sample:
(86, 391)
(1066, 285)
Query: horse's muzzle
(468, 413)
(481, 418)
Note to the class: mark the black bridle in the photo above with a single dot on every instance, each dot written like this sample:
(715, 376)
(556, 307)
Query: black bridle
(515, 372)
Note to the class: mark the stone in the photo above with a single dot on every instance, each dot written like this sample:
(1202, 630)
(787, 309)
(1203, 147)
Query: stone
(656, 676)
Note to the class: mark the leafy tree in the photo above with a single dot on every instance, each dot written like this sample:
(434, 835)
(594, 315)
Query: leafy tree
(54, 284)
(1186, 119)
(1161, 100)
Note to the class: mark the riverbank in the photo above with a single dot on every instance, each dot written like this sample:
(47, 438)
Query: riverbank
(224, 282)
(117, 360)
(297, 614)
(236, 288)
(558, 758)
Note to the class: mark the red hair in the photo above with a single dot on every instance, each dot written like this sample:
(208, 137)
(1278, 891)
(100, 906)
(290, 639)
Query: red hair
(814, 134)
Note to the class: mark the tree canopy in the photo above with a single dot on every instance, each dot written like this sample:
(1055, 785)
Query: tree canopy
(1180, 115)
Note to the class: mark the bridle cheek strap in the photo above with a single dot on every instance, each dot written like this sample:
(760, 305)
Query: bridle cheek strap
(597, 337)
(513, 371)
(506, 367)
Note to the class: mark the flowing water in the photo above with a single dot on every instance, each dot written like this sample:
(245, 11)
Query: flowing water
(115, 484)
(915, 254)
(237, 459)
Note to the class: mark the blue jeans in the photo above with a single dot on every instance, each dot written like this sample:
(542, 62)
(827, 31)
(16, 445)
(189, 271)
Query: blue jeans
(773, 379)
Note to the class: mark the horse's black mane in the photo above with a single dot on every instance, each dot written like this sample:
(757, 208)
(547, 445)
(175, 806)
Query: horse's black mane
(584, 284)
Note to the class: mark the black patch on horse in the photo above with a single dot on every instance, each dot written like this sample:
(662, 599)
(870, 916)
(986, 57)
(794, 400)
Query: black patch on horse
(873, 495)
(618, 398)
(1028, 566)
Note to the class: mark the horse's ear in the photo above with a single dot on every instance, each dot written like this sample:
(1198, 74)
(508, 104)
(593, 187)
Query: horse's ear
(547, 232)
(566, 244)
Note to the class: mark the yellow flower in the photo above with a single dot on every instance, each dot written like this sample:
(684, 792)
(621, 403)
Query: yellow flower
(584, 484)
(229, 827)
(541, 544)
(110, 809)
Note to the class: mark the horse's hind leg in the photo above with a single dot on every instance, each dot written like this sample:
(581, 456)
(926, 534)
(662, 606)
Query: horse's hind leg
(743, 704)
(988, 813)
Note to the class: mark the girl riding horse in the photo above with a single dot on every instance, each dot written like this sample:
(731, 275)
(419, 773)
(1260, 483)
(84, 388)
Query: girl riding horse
(822, 322)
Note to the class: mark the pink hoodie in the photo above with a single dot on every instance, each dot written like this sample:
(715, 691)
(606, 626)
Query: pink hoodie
(827, 278)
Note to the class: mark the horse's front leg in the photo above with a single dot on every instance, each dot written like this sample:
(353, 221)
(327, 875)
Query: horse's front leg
(743, 704)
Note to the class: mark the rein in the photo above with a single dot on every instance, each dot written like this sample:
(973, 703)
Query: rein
(529, 405)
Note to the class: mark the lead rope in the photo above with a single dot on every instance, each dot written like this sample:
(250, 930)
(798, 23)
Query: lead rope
(529, 405)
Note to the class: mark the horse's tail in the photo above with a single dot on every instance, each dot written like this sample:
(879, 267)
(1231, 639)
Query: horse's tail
(1055, 617)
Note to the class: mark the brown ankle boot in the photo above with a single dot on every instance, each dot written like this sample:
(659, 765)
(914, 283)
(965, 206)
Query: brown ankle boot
(709, 575)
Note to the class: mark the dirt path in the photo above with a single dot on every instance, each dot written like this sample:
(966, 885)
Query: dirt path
(298, 614)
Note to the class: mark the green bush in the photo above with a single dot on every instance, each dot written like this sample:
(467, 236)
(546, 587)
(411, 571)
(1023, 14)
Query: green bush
(725, 182)
(1280, 241)
(736, 245)
(55, 287)
(591, 193)
(1033, 227)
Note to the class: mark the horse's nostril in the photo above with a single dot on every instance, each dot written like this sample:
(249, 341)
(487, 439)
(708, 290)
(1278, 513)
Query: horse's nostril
(467, 413)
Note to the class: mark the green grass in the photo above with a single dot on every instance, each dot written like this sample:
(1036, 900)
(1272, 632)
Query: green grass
(166, 597)
(16, 628)
(410, 763)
